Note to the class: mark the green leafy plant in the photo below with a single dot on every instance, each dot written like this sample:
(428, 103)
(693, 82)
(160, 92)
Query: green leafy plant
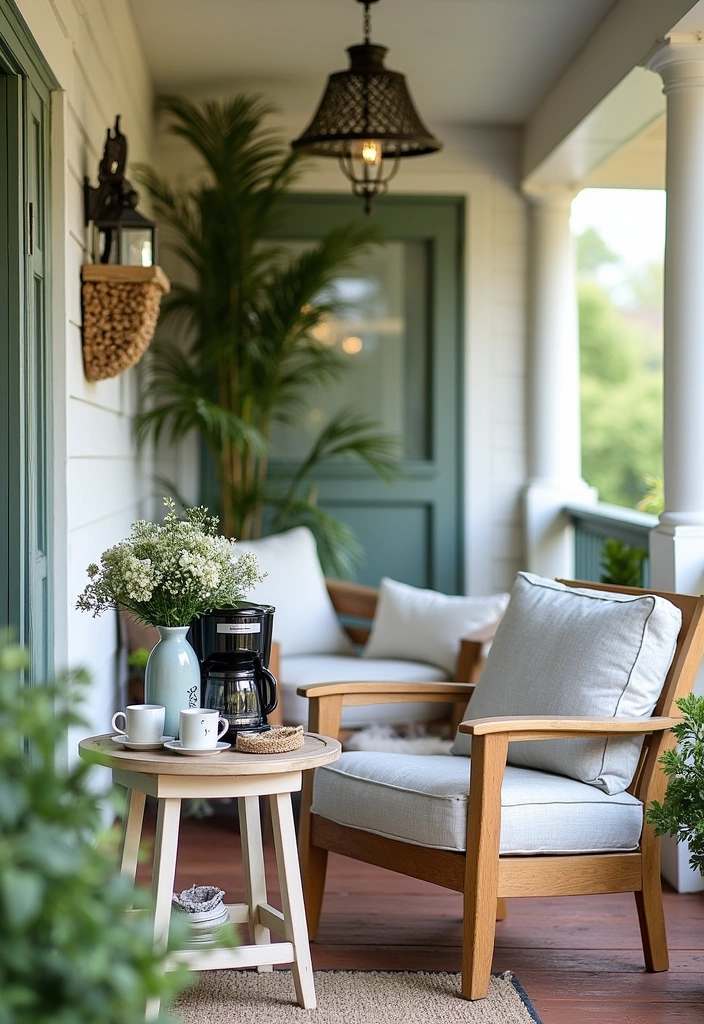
(653, 501)
(251, 315)
(138, 658)
(68, 953)
(622, 564)
(681, 813)
(168, 573)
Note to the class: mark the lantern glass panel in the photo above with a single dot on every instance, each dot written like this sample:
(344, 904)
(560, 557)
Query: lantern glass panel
(136, 247)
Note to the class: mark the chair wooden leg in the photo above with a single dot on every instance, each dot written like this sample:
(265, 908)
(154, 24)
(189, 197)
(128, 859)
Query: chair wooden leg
(482, 869)
(313, 861)
(651, 916)
(501, 909)
(314, 887)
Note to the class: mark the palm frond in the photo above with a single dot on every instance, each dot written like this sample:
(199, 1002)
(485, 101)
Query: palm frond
(350, 434)
(297, 284)
(179, 402)
(339, 549)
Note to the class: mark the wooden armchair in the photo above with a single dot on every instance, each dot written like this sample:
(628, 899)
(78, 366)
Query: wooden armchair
(479, 866)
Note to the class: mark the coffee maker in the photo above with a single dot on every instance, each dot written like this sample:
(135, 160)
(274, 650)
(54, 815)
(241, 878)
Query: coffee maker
(233, 646)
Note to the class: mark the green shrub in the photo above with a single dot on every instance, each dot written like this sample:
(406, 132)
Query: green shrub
(68, 953)
(681, 813)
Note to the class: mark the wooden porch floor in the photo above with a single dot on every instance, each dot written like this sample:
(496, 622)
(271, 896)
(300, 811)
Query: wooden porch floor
(579, 958)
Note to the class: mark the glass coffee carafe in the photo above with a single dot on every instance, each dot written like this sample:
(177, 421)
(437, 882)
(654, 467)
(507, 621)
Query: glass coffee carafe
(239, 687)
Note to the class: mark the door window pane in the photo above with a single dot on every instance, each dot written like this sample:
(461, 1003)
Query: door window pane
(382, 333)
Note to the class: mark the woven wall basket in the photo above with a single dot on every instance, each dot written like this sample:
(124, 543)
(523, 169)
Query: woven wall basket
(120, 310)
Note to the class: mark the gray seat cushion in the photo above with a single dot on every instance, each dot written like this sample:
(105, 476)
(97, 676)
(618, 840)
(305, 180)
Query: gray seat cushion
(423, 800)
(300, 669)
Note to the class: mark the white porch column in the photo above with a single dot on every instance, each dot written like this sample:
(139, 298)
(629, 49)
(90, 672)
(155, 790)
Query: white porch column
(554, 438)
(677, 544)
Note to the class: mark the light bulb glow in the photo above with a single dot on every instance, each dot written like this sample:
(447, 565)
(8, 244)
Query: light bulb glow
(371, 152)
(352, 345)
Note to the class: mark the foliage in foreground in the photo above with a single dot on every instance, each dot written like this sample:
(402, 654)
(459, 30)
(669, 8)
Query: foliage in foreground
(68, 955)
(681, 813)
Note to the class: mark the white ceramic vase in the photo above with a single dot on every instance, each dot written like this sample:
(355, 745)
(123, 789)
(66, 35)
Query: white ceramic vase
(172, 676)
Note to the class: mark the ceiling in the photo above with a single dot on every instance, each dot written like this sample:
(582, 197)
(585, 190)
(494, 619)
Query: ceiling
(531, 63)
(484, 61)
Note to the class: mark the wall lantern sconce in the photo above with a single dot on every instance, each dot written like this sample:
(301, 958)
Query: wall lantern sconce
(367, 120)
(120, 233)
(122, 289)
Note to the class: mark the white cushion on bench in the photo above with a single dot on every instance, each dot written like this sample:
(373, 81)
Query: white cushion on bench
(305, 621)
(424, 625)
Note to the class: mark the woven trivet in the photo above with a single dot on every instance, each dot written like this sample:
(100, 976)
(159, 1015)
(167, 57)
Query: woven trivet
(278, 740)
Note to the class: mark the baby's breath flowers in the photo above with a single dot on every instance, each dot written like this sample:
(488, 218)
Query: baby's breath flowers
(168, 573)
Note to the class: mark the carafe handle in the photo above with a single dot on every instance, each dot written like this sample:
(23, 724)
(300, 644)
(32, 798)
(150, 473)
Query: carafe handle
(266, 684)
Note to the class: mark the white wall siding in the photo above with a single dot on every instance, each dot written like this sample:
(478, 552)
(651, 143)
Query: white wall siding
(100, 486)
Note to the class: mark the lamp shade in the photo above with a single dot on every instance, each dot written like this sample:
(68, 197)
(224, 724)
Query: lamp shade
(367, 120)
(366, 102)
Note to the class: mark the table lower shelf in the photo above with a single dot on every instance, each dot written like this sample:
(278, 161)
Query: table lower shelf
(223, 958)
(249, 955)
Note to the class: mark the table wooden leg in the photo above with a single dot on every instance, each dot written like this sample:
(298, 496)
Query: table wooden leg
(253, 865)
(292, 898)
(163, 874)
(131, 832)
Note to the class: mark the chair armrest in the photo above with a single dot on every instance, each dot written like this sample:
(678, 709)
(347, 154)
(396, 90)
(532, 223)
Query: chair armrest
(327, 699)
(384, 692)
(542, 727)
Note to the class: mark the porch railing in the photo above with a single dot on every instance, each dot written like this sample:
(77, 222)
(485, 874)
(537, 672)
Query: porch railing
(595, 524)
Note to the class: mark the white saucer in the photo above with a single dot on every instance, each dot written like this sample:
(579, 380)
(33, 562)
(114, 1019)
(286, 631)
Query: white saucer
(122, 741)
(197, 751)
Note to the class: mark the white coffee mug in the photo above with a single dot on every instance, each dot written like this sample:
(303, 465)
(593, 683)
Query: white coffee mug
(201, 728)
(144, 723)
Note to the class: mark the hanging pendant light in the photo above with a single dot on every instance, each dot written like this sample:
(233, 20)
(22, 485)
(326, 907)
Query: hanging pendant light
(367, 120)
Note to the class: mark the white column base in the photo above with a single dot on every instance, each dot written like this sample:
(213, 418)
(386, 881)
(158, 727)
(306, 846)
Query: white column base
(677, 564)
(675, 869)
(677, 558)
(549, 533)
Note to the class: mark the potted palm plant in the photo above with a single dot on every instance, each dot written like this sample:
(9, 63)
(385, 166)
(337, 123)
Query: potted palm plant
(251, 313)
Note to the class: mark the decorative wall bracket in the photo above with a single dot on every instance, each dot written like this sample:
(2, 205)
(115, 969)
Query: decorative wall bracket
(120, 311)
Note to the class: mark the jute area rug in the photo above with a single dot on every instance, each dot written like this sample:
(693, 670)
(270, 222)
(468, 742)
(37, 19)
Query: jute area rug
(351, 997)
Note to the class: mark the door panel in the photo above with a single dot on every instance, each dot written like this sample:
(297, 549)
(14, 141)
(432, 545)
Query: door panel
(25, 355)
(401, 334)
(37, 391)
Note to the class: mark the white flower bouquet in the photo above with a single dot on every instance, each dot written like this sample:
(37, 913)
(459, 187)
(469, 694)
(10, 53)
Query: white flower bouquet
(169, 573)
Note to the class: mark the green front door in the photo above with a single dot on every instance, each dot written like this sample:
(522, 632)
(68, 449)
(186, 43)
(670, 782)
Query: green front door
(25, 355)
(400, 336)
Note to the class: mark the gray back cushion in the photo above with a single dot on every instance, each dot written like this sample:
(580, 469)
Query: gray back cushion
(566, 651)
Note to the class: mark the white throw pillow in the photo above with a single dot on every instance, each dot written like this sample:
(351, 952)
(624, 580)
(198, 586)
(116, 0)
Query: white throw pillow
(569, 651)
(424, 625)
(305, 621)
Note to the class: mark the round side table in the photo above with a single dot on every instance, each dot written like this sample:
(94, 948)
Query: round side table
(171, 778)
